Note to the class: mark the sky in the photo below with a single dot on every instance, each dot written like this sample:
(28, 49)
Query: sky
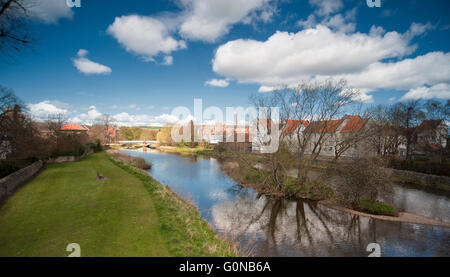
(137, 60)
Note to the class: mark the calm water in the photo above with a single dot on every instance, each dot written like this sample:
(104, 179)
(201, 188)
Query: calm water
(296, 228)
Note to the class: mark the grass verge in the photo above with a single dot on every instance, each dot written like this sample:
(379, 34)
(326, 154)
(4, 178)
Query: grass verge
(127, 214)
(185, 232)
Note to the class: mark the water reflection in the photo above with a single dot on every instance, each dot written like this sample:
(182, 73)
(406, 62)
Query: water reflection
(274, 227)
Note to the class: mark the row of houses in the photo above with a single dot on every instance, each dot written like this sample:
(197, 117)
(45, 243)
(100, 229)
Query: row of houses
(350, 136)
(75, 128)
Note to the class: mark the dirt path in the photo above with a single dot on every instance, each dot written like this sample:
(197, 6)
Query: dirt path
(402, 216)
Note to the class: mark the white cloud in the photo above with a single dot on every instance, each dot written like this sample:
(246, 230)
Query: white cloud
(289, 57)
(217, 83)
(82, 53)
(126, 119)
(441, 91)
(326, 7)
(266, 89)
(168, 60)
(208, 20)
(144, 36)
(90, 117)
(430, 69)
(86, 66)
(418, 29)
(42, 110)
(48, 11)
(319, 53)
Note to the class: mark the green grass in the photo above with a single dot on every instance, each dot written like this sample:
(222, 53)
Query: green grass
(379, 208)
(120, 216)
(185, 231)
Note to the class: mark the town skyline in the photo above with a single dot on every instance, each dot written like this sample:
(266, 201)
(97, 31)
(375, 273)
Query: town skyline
(138, 61)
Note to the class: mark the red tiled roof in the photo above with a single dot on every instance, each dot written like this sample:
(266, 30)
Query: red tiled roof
(73, 127)
(355, 124)
(329, 126)
(291, 125)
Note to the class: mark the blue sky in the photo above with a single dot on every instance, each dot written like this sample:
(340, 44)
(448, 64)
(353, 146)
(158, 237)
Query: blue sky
(397, 52)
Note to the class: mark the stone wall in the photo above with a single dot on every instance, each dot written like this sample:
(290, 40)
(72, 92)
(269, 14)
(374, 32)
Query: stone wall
(65, 159)
(11, 182)
(424, 178)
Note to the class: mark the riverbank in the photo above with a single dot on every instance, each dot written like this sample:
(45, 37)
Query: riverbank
(126, 213)
(189, 151)
(402, 216)
(233, 170)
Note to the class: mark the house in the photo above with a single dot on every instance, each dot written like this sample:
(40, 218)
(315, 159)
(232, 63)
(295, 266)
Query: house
(431, 133)
(111, 134)
(43, 129)
(74, 128)
(345, 137)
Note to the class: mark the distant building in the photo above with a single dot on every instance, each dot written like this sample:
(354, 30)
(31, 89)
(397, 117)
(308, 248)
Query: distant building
(43, 129)
(74, 128)
(111, 134)
(433, 133)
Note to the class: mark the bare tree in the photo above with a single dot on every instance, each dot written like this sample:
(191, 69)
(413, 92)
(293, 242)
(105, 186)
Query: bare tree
(14, 32)
(55, 122)
(316, 103)
(363, 178)
(106, 124)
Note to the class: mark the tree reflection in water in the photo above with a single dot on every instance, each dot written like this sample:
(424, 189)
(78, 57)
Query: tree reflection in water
(280, 227)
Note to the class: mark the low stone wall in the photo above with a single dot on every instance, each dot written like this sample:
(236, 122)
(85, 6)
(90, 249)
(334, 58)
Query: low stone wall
(424, 178)
(10, 183)
(65, 159)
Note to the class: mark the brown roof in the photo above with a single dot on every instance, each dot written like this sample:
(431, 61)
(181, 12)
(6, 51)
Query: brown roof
(355, 124)
(428, 125)
(329, 126)
(73, 127)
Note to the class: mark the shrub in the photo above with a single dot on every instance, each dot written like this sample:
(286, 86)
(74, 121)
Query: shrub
(423, 166)
(379, 208)
(96, 145)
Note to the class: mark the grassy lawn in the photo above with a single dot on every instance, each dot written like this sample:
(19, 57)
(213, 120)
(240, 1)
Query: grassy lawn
(120, 216)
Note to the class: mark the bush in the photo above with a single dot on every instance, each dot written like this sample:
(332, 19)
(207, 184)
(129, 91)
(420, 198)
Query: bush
(379, 208)
(423, 166)
(140, 163)
(96, 145)
(135, 161)
(10, 166)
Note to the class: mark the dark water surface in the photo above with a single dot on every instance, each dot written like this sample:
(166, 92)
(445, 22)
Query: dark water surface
(297, 228)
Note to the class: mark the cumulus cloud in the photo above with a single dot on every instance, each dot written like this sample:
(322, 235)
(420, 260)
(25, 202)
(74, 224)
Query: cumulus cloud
(318, 53)
(144, 36)
(440, 91)
(90, 117)
(48, 11)
(199, 20)
(430, 69)
(209, 20)
(126, 119)
(217, 83)
(287, 57)
(86, 66)
(43, 110)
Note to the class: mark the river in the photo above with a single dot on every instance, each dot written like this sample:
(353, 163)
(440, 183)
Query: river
(267, 227)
